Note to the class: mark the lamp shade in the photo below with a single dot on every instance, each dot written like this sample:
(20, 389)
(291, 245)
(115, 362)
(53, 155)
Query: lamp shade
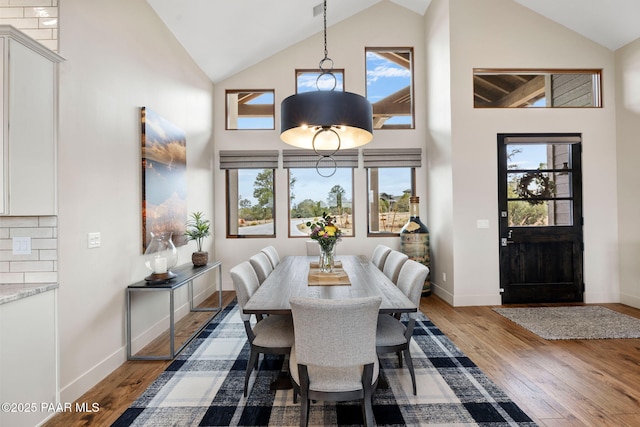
(304, 115)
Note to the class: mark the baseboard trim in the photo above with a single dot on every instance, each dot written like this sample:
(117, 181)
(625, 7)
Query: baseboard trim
(76, 388)
(630, 300)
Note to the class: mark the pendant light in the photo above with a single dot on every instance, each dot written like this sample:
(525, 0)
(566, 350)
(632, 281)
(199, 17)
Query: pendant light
(326, 120)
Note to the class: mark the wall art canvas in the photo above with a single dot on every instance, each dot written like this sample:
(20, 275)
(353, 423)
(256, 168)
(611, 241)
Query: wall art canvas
(164, 178)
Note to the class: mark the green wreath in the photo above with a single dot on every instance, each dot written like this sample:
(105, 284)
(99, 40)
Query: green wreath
(545, 188)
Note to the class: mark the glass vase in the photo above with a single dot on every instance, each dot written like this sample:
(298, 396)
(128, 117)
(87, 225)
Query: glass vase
(327, 258)
(160, 257)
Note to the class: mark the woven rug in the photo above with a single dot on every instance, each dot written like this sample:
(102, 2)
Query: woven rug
(204, 387)
(573, 322)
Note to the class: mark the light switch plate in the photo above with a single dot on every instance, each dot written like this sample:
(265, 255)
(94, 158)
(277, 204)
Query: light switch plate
(483, 223)
(22, 245)
(93, 240)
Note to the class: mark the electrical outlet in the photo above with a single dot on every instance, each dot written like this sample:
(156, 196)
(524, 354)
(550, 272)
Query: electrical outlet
(93, 240)
(21, 245)
(444, 276)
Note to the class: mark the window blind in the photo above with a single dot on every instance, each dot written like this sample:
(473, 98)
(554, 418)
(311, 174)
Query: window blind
(543, 139)
(249, 159)
(392, 157)
(292, 159)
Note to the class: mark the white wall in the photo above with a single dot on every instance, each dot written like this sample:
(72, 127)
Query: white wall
(109, 74)
(384, 24)
(119, 57)
(628, 120)
(440, 172)
(503, 34)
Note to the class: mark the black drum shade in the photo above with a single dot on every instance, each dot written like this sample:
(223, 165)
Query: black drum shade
(326, 120)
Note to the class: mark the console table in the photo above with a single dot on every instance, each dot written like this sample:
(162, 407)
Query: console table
(185, 274)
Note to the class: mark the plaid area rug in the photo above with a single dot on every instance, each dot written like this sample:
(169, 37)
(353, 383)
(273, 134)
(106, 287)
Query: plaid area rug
(204, 387)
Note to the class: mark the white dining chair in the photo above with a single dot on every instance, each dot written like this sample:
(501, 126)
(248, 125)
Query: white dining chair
(273, 255)
(313, 248)
(393, 264)
(261, 264)
(392, 335)
(330, 361)
(379, 256)
(270, 335)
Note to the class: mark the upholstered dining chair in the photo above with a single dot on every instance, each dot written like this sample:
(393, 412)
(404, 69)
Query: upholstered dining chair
(334, 355)
(272, 254)
(271, 335)
(393, 264)
(379, 255)
(261, 264)
(313, 248)
(392, 335)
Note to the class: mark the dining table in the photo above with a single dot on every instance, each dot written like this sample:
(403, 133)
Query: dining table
(353, 276)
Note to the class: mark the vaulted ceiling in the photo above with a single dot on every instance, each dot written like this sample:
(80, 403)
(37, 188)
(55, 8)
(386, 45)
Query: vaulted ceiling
(209, 30)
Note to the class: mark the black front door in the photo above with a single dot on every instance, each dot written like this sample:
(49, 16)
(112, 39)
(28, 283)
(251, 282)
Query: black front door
(540, 216)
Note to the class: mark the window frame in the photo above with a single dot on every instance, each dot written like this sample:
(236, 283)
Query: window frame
(228, 206)
(306, 159)
(236, 160)
(565, 189)
(547, 73)
(390, 158)
(228, 92)
(402, 49)
(413, 192)
(299, 71)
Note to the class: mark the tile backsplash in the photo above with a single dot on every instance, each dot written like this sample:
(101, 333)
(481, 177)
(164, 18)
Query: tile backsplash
(36, 18)
(41, 265)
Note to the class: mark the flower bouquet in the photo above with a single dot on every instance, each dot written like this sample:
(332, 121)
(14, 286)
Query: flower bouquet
(327, 234)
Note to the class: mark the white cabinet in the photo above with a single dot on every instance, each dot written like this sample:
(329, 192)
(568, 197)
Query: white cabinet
(28, 117)
(28, 359)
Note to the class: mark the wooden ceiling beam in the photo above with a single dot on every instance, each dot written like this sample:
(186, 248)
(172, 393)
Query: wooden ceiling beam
(396, 104)
(245, 97)
(399, 58)
(523, 94)
(378, 121)
(484, 81)
(255, 110)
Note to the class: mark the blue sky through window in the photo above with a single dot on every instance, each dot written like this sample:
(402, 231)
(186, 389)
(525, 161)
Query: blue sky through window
(258, 122)
(384, 78)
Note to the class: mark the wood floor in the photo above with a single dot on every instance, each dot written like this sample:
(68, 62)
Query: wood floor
(557, 383)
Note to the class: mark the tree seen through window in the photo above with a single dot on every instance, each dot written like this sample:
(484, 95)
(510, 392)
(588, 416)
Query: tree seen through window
(311, 195)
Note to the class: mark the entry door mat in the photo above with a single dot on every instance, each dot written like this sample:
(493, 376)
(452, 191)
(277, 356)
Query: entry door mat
(573, 322)
(204, 387)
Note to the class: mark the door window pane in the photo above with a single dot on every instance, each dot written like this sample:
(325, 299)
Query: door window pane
(539, 178)
(310, 195)
(548, 212)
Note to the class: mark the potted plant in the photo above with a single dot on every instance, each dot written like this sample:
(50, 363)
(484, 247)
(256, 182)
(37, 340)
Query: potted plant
(197, 229)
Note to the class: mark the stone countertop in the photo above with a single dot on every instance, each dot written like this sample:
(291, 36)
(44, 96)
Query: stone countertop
(10, 293)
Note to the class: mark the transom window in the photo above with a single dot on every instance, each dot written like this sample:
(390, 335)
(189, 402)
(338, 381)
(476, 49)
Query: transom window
(536, 89)
(310, 80)
(250, 109)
